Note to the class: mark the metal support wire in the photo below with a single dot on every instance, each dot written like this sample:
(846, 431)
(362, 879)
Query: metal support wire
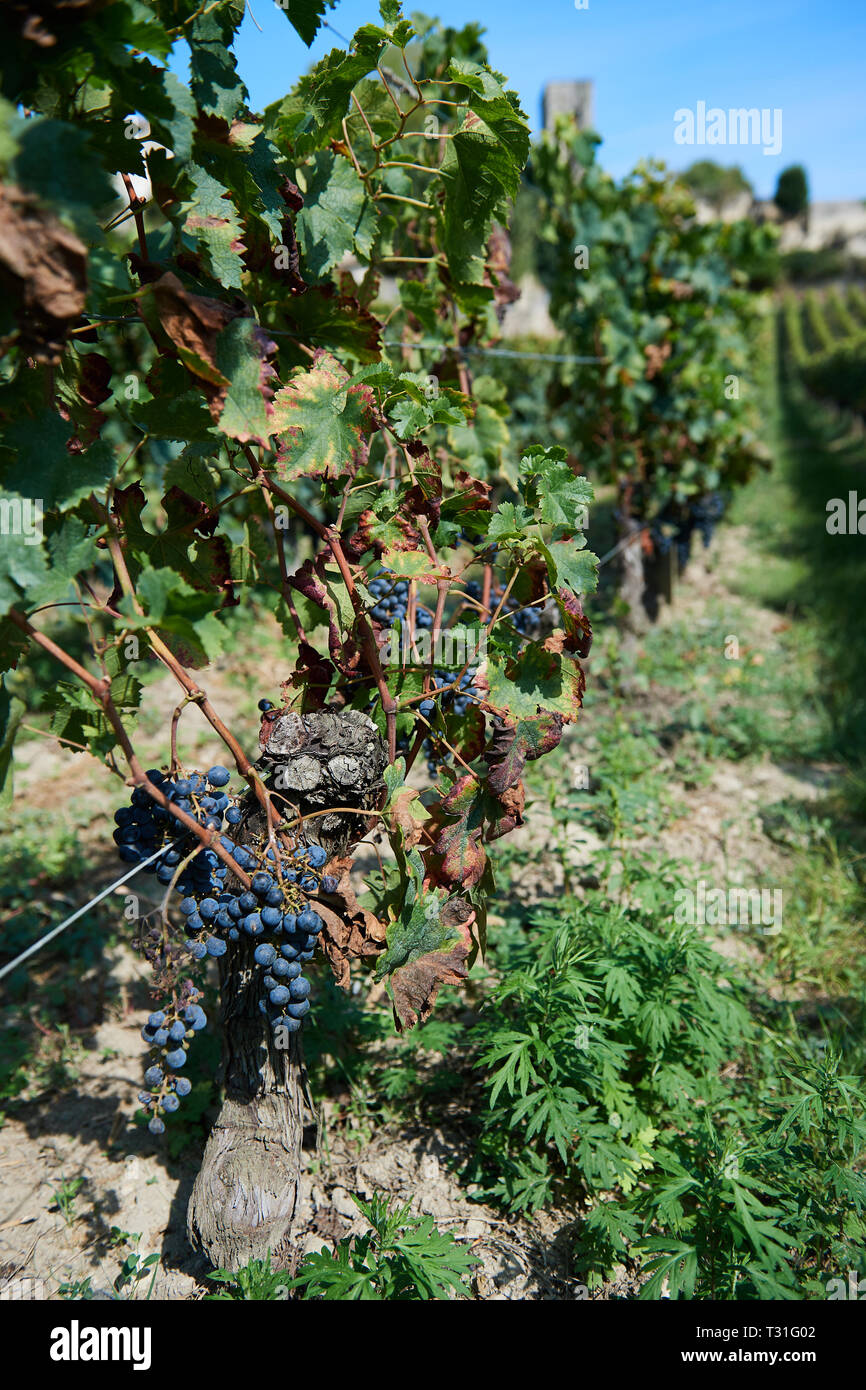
(55, 931)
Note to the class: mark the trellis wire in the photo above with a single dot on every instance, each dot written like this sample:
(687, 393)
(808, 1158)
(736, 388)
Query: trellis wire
(459, 348)
(55, 931)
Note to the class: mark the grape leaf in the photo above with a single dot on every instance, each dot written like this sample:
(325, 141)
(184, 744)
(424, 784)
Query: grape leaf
(459, 843)
(534, 682)
(243, 405)
(570, 566)
(12, 711)
(481, 167)
(320, 422)
(305, 16)
(509, 522)
(338, 218)
(183, 617)
(214, 79)
(58, 162)
(185, 544)
(55, 476)
(560, 495)
(212, 221)
(516, 743)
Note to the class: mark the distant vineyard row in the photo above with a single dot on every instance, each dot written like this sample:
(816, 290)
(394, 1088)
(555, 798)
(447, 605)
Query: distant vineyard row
(825, 338)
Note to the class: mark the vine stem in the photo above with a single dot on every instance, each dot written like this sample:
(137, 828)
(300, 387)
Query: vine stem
(193, 692)
(101, 691)
(169, 660)
(332, 539)
(135, 206)
(281, 553)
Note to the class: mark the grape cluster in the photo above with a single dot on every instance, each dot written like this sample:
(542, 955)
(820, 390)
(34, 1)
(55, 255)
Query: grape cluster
(702, 515)
(392, 601)
(527, 621)
(169, 1031)
(144, 826)
(274, 912)
(707, 512)
(455, 701)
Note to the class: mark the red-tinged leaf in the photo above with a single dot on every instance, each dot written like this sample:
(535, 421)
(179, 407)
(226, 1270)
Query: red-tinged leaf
(405, 816)
(505, 813)
(512, 746)
(350, 930)
(313, 674)
(459, 843)
(474, 494)
(578, 629)
(309, 582)
(322, 314)
(414, 986)
(87, 384)
(185, 543)
(384, 535)
(321, 423)
(535, 682)
(192, 323)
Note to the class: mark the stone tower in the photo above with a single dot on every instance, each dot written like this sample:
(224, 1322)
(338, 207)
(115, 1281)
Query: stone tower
(568, 98)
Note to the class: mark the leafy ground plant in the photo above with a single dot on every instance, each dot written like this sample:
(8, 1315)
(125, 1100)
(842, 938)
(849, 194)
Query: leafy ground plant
(401, 1258)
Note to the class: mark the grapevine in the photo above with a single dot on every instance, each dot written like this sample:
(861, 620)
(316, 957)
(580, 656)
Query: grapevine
(215, 429)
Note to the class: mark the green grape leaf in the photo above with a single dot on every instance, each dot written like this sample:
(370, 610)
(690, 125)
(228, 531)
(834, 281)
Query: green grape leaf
(570, 566)
(214, 79)
(305, 16)
(185, 544)
(241, 353)
(56, 477)
(12, 711)
(510, 522)
(338, 218)
(177, 409)
(72, 551)
(334, 321)
(184, 618)
(321, 98)
(59, 163)
(78, 718)
(561, 497)
(211, 219)
(481, 167)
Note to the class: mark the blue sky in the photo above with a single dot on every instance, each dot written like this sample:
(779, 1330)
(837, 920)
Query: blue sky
(805, 57)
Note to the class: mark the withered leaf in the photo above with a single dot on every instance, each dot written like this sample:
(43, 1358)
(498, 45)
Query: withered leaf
(42, 275)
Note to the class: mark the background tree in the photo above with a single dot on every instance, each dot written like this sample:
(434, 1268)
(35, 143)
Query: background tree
(716, 183)
(792, 191)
